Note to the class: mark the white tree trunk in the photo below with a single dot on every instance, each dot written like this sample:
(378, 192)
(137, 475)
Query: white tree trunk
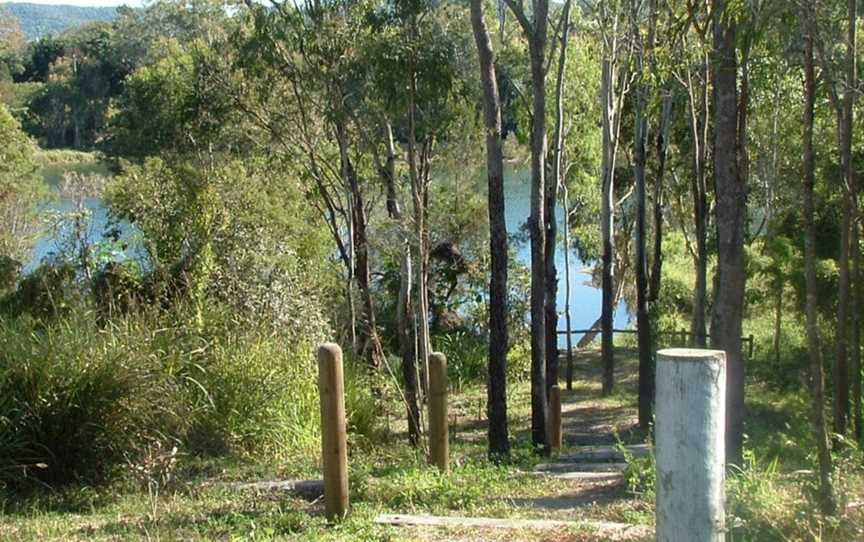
(690, 429)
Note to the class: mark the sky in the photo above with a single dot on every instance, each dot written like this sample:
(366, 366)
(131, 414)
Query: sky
(87, 3)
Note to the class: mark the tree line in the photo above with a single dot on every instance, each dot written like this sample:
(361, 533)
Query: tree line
(700, 151)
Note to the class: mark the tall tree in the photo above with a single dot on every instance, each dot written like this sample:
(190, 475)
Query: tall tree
(613, 88)
(496, 391)
(307, 53)
(843, 106)
(535, 30)
(730, 217)
(644, 50)
(817, 379)
(553, 184)
(697, 95)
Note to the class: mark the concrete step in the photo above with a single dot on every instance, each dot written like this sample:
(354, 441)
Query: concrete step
(580, 467)
(603, 454)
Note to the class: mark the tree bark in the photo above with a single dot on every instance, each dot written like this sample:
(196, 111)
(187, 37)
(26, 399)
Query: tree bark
(419, 198)
(553, 184)
(535, 31)
(845, 121)
(567, 294)
(699, 134)
(643, 322)
(405, 318)
(855, 357)
(370, 347)
(817, 380)
(662, 146)
(407, 343)
(539, 407)
(607, 344)
(849, 103)
(496, 391)
(730, 210)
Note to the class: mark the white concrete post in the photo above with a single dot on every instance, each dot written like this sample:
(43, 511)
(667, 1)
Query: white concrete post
(690, 429)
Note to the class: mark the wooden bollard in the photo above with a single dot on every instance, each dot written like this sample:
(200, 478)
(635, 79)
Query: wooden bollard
(334, 452)
(690, 432)
(439, 432)
(555, 418)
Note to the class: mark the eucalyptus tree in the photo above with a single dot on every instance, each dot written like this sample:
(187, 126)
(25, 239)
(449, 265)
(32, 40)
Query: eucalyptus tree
(299, 72)
(817, 379)
(534, 23)
(644, 48)
(578, 151)
(499, 445)
(730, 215)
(417, 61)
(554, 184)
(840, 85)
(696, 85)
(614, 86)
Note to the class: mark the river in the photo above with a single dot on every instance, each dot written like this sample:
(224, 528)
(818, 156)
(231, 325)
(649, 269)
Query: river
(585, 298)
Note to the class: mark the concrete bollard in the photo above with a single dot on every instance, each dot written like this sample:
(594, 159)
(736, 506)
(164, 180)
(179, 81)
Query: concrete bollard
(334, 452)
(439, 432)
(690, 431)
(555, 419)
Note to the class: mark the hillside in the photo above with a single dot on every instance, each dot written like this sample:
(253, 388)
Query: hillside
(37, 20)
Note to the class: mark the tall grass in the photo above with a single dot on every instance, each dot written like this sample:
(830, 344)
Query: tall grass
(79, 401)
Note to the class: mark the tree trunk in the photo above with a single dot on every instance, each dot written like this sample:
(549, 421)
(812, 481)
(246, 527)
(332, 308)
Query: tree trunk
(369, 347)
(849, 97)
(536, 33)
(643, 322)
(419, 199)
(404, 310)
(496, 402)
(845, 121)
(567, 294)
(855, 357)
(553, 184)
(729, 280)
(699, 133)
(407, 343)
(607, 227)
(817, 380)
(662, 145)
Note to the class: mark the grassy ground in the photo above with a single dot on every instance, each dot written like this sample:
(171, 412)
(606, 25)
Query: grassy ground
(199, 502)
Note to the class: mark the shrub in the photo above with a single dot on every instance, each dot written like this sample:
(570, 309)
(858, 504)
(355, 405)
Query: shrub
(467, 357)
(47, 292)
(80, 397)
(74, 401)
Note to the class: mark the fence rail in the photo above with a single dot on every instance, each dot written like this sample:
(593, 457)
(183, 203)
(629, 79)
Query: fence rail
(682, 334)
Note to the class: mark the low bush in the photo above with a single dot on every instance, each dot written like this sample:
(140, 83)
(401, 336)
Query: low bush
(82, 399)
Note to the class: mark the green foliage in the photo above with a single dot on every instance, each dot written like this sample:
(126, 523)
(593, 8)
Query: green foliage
(467, 358)
(169, 106)
(231, 232)
(79, 400)
(20, 188)
(47, 292)
(640, 473)
(75, 401)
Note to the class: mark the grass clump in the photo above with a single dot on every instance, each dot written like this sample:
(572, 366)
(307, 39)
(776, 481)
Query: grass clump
(81, 402)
